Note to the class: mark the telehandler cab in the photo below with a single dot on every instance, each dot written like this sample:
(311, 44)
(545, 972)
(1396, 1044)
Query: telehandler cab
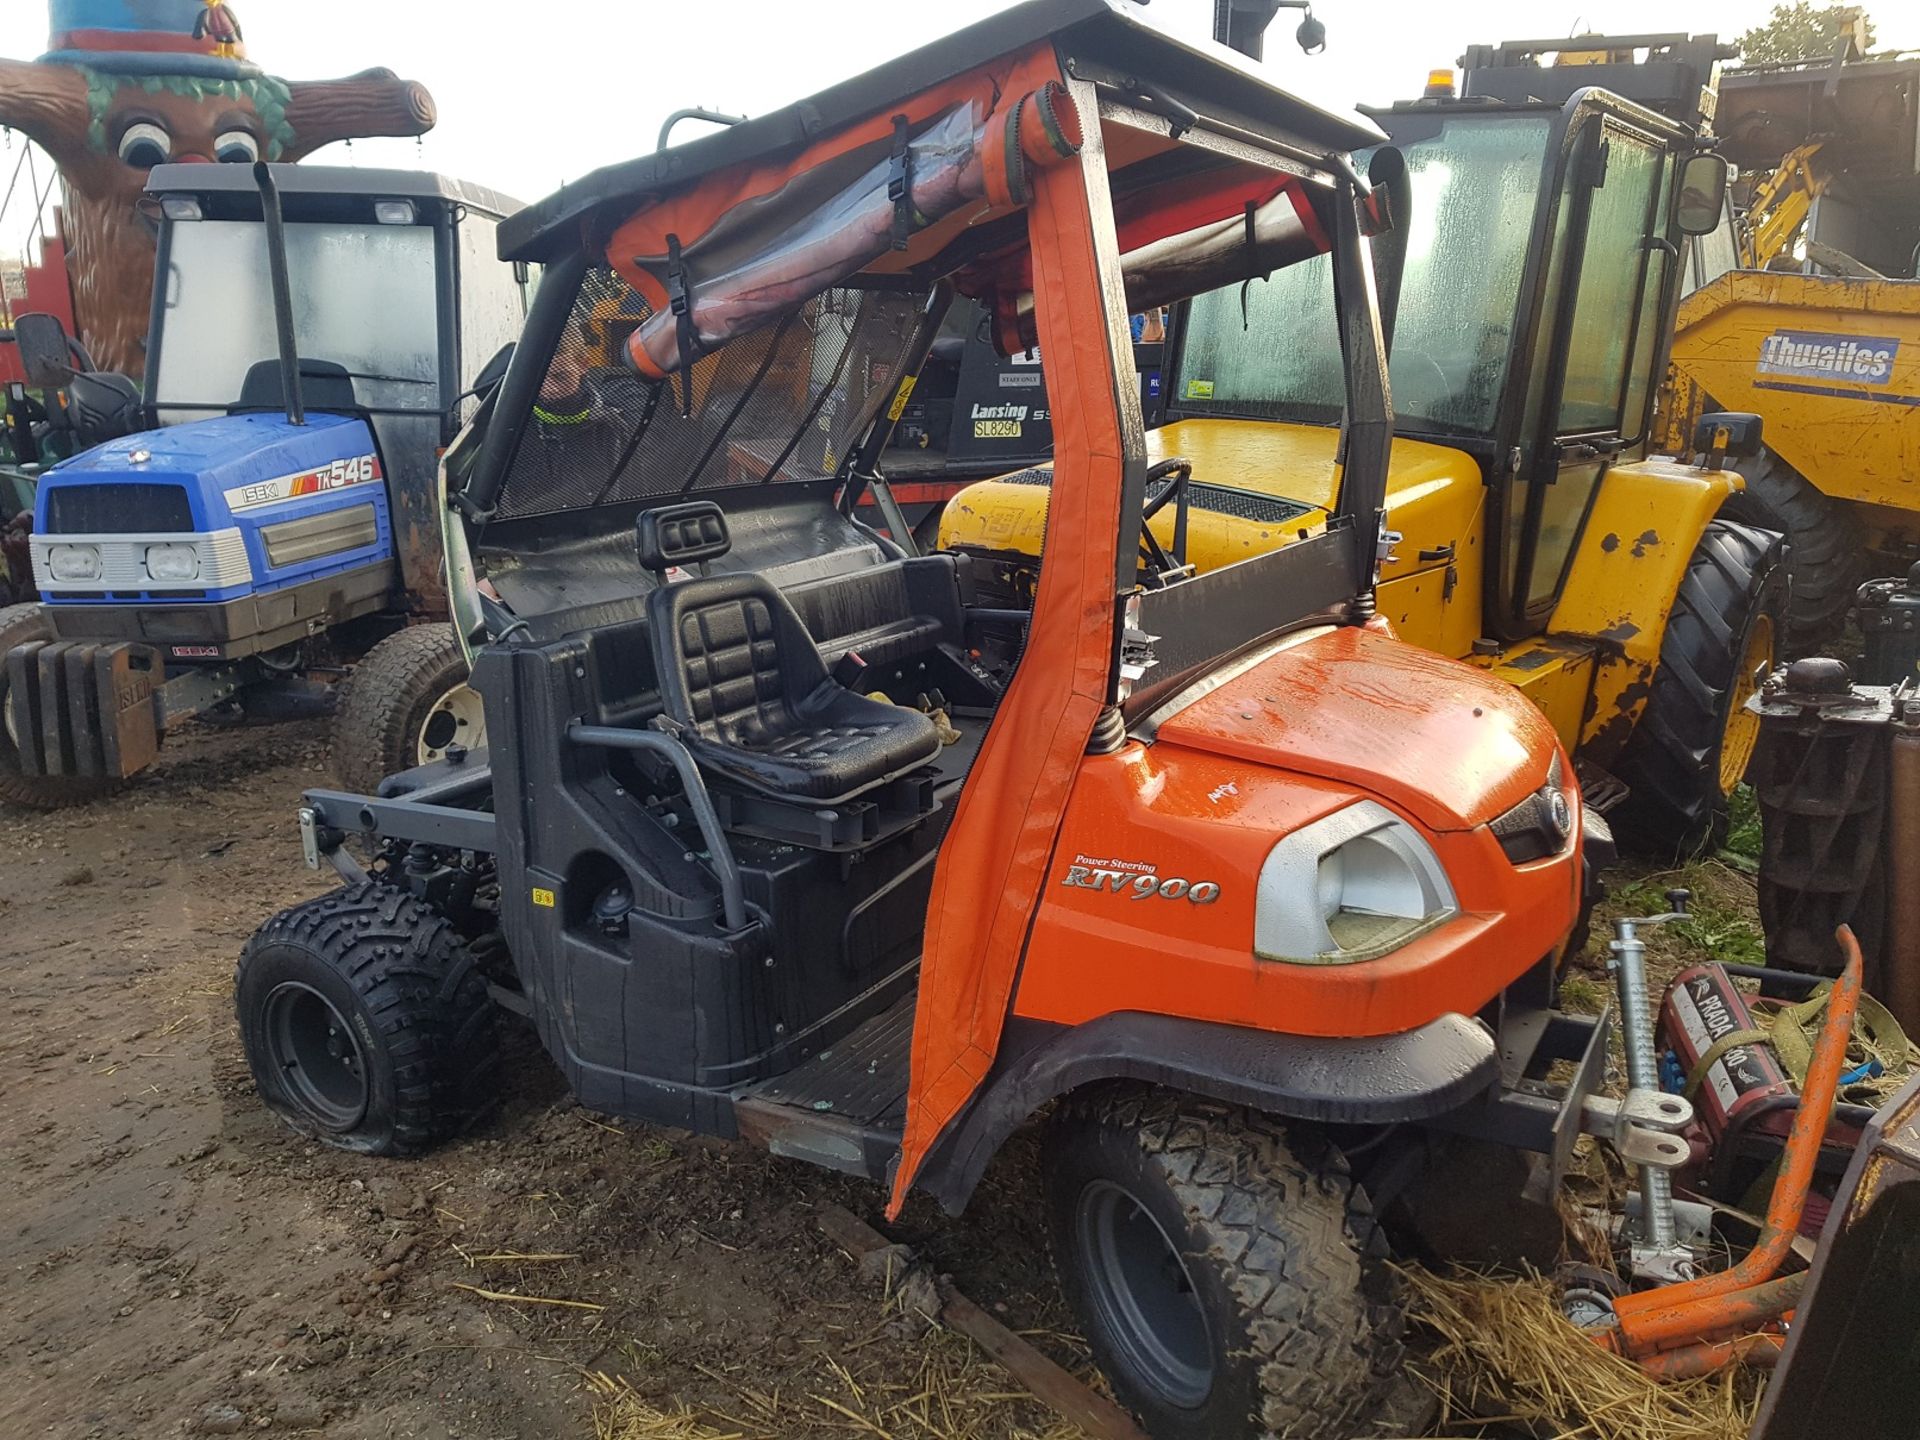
(1529, 290)
(1233, 881)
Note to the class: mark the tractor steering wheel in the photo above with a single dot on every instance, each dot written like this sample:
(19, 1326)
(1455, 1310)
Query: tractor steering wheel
(1161, 562)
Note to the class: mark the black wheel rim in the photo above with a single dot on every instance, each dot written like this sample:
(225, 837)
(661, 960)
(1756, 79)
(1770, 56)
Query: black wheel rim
(317, 1055)
(1143, 1296)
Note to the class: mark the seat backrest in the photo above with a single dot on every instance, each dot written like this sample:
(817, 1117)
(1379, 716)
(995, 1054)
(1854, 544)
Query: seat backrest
(324, 385)
(731, 655)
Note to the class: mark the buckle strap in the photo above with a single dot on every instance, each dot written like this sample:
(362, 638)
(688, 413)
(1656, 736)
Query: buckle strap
(900, 183)
(1253, 250)
(680, 299)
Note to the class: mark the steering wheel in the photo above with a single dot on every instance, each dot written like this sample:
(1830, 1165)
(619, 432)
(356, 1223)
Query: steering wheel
(1161, 562)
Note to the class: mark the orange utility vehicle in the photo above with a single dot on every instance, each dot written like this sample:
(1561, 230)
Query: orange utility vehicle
(1252, 896)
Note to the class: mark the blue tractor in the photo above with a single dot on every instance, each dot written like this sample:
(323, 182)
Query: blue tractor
(264, 518)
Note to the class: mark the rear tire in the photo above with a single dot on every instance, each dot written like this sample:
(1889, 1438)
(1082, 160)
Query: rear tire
(1827, 558)
(405, 703)
(1693, 740)
(1218, 1268)
(21, 625)
(365, 1020)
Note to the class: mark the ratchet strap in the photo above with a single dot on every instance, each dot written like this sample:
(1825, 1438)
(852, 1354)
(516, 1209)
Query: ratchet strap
(1788, 1035)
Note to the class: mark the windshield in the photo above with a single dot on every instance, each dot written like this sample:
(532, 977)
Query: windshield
(363, 297)
(785, 402)
(1264, 350)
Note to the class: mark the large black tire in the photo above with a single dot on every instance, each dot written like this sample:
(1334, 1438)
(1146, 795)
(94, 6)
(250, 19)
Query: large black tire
(1219, 1269)
(21, 625)
(403, 705)
(365, 1020)
(1692, 741)
(1827, 558)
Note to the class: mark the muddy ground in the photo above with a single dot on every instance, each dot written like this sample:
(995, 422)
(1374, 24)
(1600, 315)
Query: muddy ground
(176, 1262)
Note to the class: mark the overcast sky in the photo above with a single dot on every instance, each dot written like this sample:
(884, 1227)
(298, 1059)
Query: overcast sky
(542, 91)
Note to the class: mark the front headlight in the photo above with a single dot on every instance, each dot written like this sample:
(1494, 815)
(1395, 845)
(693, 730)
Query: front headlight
(173, 562)
(74, 564)
(1351, 887)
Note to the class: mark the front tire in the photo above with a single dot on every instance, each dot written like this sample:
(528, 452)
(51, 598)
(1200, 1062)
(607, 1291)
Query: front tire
(1694, 739)
(1218, 1269)
(21, 625)
(1826, 558)
(406, 703)
(365, 1020)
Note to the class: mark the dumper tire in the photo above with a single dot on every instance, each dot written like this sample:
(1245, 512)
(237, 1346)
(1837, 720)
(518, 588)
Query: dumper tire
(1676, 805)
(366, 1021)
(21, 625)
(1227, 1274)
(403, 694)
(1826, 560)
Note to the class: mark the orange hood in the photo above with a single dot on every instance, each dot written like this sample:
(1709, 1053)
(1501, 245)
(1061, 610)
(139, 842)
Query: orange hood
(1434, 737)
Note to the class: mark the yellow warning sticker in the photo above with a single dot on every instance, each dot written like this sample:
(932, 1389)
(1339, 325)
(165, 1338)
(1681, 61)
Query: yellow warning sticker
(543, 897)
(1199, 389)
(901, 396)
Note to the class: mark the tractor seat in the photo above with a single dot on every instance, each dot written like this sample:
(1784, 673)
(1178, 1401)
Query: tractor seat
(742, 680)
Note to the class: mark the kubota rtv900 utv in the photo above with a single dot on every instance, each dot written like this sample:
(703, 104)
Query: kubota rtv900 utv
(1223, 873)
(1529, 290)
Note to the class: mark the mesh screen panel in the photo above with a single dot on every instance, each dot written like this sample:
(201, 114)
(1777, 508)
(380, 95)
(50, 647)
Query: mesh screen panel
(784, 403)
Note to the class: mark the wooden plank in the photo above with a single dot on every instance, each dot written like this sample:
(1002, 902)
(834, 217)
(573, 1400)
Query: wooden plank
(1050, 1384)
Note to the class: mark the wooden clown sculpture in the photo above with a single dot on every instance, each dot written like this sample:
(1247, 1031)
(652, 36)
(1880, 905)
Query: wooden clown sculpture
(129, 84)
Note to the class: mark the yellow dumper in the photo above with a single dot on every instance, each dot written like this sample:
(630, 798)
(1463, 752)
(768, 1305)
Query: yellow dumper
(1830, 360)
(1833, 363)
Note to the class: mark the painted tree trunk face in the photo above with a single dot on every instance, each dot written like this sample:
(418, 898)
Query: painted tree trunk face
(107, 131)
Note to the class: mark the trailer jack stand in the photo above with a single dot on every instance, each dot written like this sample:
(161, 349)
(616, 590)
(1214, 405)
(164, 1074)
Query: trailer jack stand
(1657, 1252)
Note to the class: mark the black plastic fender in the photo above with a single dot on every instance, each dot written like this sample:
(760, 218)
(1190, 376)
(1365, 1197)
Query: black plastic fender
(1375, 1080)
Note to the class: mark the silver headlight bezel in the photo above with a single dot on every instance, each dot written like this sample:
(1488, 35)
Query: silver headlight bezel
(61, 551)
(1362, 862)
(172, 548)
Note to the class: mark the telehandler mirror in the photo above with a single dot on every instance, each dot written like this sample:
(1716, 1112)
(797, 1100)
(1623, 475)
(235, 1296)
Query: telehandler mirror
(1703, 194)
(493, 372)
(44, 355)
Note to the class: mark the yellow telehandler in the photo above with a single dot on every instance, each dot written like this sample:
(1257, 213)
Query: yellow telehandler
(1531, 277)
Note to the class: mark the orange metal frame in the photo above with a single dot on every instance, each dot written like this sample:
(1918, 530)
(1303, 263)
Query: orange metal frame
(994, 862)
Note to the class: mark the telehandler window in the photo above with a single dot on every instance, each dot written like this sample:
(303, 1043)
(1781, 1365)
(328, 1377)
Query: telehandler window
(1610, 301)
(1603, 392)
(1475, 187)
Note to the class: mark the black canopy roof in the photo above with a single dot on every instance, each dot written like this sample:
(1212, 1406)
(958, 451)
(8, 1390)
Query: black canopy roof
(1110, 41)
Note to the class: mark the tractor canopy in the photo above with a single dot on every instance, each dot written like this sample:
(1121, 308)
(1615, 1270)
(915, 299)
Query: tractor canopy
(739, 318)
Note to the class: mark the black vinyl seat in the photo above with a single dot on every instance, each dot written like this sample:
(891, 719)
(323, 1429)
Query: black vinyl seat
(741, 679)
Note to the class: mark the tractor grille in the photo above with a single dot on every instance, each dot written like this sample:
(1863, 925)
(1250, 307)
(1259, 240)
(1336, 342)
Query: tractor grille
(1219, 499)
(117, 509)
(1245, 505)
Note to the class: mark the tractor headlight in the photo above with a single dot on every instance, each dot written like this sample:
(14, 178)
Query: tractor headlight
(74, 564)
(173, 562)
(1351, 887)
